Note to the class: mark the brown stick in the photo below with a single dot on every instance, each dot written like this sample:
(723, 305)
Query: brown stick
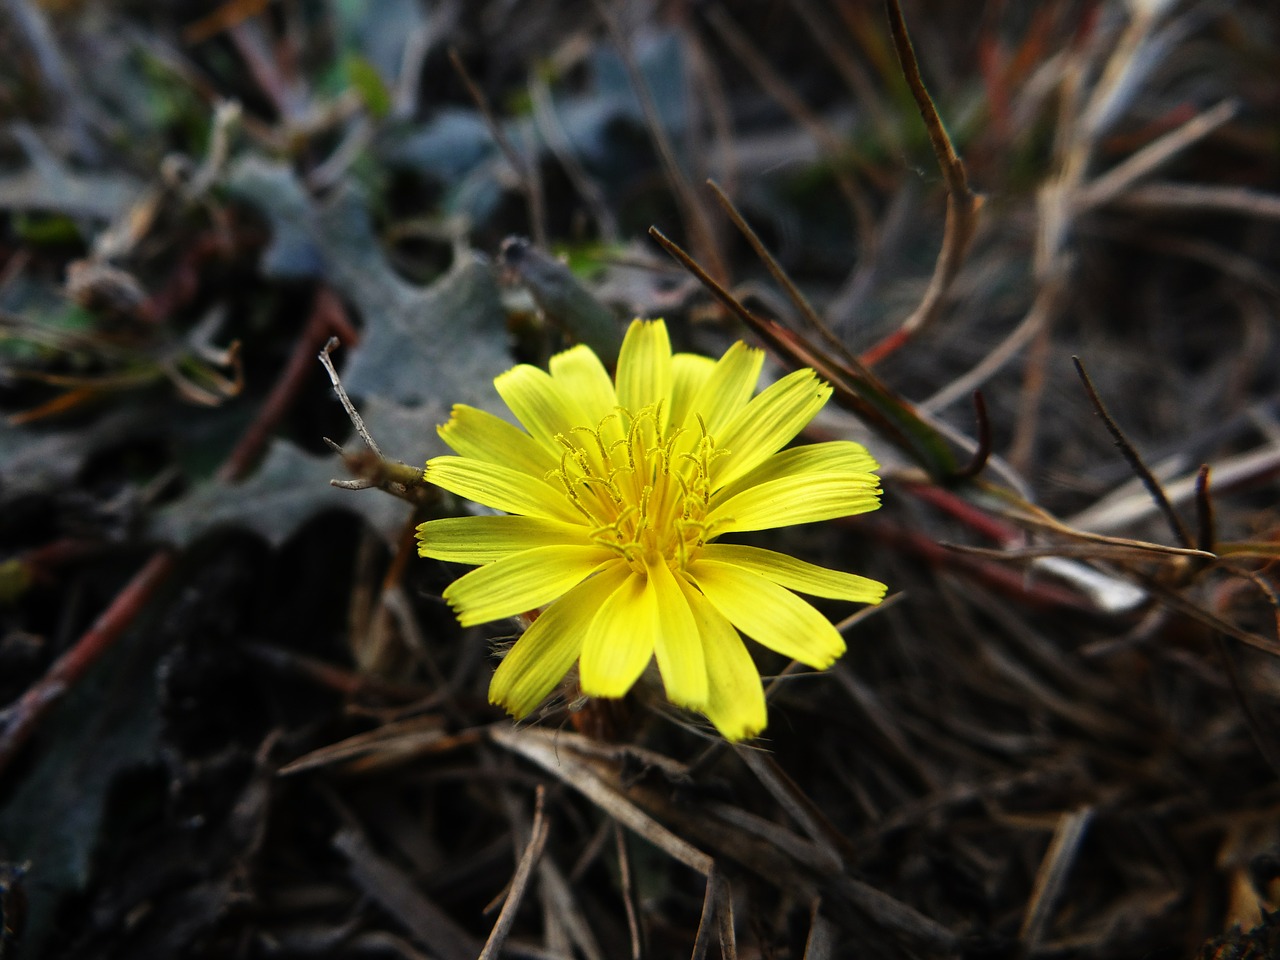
(327, 319)
(962, 203)
(701, 233)
(18, 721)
(1131, 455)
(525, 167)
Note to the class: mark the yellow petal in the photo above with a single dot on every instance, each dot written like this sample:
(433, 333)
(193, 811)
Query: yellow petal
(735, 696)
(644, 367)
(540, 403)
(677, 644)
(728, 388)
(812, 459)
(796, 574)
(522, 582)
(485, 539)
(764, 425)
(546, 651)
(582, 376)
(482, 436)
(768, 613)
(500, 487)
(619, 642)
(791, 500)
(689, 371)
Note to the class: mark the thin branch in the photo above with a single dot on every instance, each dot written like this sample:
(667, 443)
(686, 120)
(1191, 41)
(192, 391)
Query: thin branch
(724, 912)
(552, 752)
(836, 148)
(1119, 178)
(1254, 722)
(962, 203)
(524, 167)
(1052, 875)
(628, 892)
(948, 160)
(707, 922)
(798, 299)
(850, 69)
(327, 319)
(1134, 460)
(353, 414)
(1201, 198)
(520, 881)
(701, 232)
(558, 142)
(1246, 471)
(18, 721)
(980, 456)
(1206, 534)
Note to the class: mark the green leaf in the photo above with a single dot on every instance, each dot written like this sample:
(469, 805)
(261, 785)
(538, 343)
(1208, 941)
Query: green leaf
(368, 83)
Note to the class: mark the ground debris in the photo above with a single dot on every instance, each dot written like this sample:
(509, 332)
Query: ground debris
(238, 719)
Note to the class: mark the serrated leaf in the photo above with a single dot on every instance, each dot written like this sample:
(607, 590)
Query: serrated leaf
(37, 458)
(447, 340)
(273, 189)
(288, 489)
(422, 349)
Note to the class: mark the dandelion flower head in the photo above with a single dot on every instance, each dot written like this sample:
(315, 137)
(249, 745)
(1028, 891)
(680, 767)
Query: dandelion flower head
(614, 494)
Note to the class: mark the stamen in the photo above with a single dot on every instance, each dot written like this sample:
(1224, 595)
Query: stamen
(644, 493)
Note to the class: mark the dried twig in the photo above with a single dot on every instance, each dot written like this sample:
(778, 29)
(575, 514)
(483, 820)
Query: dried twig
(794, 294)
(1119, 178)
(1052, 875)
(851, 71)
(983, 453)
(520, 881)
(326, 320)
(551, 752)
(702, 233)
(1134, 459)
(353, 414)
(525, 167)
(391, 888)
(553, 132)
(1243, 472)
(1206, 535)
(1257, 728)
(707, 921)
(628, 891)
(18, 721)
(963, 204)
(1200, 198)
(836, 148)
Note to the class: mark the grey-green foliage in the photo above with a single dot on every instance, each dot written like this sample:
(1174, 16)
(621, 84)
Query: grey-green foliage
(422, 349)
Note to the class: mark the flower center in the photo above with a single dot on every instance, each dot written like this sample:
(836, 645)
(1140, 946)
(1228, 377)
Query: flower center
(645, 491)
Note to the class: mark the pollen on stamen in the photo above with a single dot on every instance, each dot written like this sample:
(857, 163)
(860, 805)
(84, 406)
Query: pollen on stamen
(645, 493)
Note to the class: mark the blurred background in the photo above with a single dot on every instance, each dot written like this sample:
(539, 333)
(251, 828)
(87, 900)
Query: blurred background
(241, 722)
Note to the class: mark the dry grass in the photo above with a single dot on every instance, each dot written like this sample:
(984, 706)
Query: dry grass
(1057, 739)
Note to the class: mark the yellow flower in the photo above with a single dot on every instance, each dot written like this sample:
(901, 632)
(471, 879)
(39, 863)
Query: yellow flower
(614, 494)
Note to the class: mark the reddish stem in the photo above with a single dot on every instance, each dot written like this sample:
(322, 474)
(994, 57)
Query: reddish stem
(40, 562)
(18, 721)
(184, 281)
(877, 352)
(327, 319)
(973, 517)
(1003, 580)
